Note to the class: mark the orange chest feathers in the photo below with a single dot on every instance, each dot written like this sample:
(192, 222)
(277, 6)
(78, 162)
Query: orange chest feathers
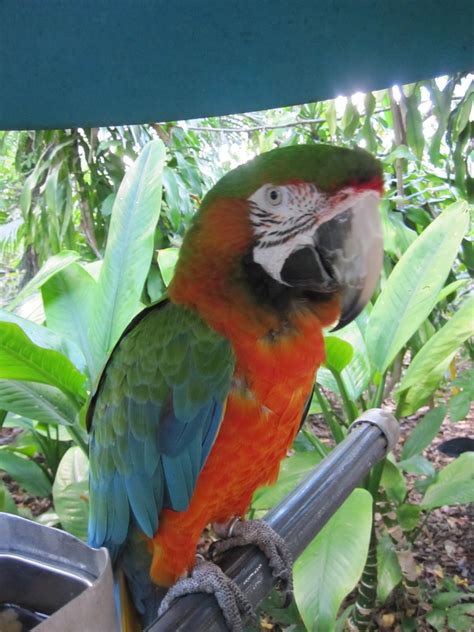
(273, 378)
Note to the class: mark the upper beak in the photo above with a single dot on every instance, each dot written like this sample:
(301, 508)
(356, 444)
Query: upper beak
(345, 258)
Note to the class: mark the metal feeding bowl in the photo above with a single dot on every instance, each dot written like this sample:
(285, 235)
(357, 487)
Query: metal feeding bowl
(51, 582)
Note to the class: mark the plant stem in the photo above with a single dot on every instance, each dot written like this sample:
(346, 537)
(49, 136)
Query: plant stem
(401, 401)
(378, 397)
(87, 220)
(416, 532)
(334, 427)
(44, 446)
(362, 402)
(400, 139)
(77, 438)
(57, 447)
(395, 373)
(347, 402)
(367, 589)
(404, 551)
(374, 479)
(46, 471)
(319, 447)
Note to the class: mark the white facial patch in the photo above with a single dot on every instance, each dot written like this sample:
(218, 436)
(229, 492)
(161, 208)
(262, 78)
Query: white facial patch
(285, 219)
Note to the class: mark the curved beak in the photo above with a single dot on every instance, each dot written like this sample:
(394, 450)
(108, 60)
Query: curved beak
(346, 257)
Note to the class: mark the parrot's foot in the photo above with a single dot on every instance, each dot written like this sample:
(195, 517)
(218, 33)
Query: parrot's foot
(272, 545)
(207, 577)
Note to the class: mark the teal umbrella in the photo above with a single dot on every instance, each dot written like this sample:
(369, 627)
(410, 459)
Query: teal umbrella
(68, 63)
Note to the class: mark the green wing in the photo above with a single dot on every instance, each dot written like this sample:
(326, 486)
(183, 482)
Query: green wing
(155, 416)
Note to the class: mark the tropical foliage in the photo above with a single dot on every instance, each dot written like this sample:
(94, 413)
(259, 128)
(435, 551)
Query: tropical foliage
(92, 223)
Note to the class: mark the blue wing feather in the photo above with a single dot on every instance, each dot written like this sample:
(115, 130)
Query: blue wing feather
(155, 416)
(210, 429)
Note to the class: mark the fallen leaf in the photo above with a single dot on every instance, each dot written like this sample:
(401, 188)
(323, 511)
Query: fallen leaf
(460, 581)
(450, 547)
(388, 620)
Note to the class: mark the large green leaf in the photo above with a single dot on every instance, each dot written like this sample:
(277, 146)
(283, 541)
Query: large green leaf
(397, 237)
(32, 309)
(439, 347)
(326, 379)
(332, 564)
(48, 519)
(451, 288)
(37, 401)
(389, 573)
(53, 265)
(339, 353)
(45, 338)
(414, 285)
(7, 504)
(67, 299)
(167, 258)
(424, 432)
(71, 492)
(455, 484)
(356, 374)
(26, 473)
(459, 406)
(408, 516)
(21, 359)
(13, 420)
(393, 482)
(452, 493)
(350, 119)
(292, 472)
(177, 197)
(129, 249)
(461, 617)
(418, 394)
(283, 616)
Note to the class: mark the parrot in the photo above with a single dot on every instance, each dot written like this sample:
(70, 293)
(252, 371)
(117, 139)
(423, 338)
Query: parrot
(205, 391)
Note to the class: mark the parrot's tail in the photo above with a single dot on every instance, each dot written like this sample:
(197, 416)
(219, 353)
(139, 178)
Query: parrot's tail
(127, 613)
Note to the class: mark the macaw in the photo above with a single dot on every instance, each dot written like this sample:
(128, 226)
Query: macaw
(205, 391)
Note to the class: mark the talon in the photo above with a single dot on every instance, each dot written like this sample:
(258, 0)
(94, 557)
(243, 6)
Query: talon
(208, 578)
(272, 545)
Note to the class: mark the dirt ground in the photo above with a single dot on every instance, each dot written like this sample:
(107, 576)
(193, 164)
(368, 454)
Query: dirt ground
(444, 548)
(30, 504)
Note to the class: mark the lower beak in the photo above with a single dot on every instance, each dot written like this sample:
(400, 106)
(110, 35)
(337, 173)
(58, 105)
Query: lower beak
(345, 258)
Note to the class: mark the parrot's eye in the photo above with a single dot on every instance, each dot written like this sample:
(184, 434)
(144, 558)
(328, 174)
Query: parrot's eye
(274, 196)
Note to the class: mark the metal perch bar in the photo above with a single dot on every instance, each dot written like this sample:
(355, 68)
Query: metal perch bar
(298, 519)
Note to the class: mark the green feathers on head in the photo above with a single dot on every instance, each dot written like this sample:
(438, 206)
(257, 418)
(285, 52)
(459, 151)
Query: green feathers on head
(327, 166)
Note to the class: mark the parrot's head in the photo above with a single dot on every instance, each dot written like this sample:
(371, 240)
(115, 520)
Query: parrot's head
(298, 223)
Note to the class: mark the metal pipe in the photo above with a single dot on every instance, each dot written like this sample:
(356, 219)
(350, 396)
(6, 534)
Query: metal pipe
(298, 519)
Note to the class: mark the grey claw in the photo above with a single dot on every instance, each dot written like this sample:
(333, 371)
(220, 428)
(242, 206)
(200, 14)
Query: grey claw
(272, 545)
(208, 578)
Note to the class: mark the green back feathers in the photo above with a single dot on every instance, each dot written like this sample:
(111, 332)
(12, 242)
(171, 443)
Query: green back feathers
(156, 415)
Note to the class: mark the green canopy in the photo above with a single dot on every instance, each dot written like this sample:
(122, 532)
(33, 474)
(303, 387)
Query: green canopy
(67, 63)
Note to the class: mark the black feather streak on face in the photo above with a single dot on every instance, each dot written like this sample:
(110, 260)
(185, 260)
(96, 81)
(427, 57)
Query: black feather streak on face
(273, 294)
